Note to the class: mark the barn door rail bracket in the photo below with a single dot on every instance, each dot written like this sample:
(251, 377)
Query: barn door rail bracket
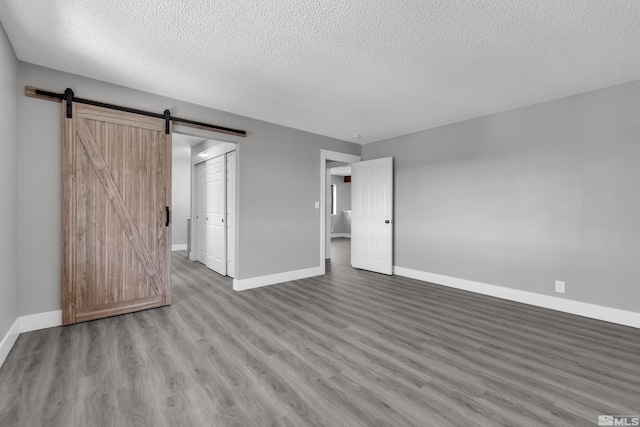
(70, 98)
(167, 121)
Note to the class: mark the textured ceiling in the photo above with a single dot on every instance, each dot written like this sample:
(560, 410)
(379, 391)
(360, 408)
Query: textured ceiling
(377, 68)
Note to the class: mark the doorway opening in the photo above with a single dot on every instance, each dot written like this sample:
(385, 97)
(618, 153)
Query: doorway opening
(335, 199)
(181, 190)
(211, 225)
(338, 203)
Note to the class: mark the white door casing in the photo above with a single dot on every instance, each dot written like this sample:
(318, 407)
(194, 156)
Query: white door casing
(372, 215)
(231, 213)
(327, 208)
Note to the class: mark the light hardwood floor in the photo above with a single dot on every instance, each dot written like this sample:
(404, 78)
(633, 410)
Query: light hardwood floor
(351, 348)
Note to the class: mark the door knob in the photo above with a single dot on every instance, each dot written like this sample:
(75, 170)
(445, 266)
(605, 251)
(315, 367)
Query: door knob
(387, 221)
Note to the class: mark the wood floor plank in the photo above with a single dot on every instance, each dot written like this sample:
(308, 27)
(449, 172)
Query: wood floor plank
(350, 348)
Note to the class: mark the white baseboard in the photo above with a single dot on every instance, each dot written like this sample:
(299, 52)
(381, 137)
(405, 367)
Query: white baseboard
(29, 323)
(9, 340)
(179, 247)
(272, 279)
(347, 235)
(38, 321)
(593, 311)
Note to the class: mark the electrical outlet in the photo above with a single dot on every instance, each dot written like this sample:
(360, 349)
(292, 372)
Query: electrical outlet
(560, 286)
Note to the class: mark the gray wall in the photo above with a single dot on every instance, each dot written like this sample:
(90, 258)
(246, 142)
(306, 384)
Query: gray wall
(340, 222)
(8, 186)
(180, 194)
(278, 173)
(522, 198)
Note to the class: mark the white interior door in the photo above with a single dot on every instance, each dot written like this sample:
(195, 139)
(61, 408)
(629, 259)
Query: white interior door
(231, 213)
(372, 215)
(201, 231)
(216, 212)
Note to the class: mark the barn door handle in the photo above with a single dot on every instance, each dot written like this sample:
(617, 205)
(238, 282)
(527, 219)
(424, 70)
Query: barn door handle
(168, 216)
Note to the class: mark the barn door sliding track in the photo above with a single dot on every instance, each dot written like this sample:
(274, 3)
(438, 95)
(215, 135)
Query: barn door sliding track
(69, 96)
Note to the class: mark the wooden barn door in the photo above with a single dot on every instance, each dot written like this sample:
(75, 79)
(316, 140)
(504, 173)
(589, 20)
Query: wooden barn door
(116, 199)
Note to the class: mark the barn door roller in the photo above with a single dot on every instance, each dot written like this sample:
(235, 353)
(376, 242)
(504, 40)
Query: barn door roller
(68, 96)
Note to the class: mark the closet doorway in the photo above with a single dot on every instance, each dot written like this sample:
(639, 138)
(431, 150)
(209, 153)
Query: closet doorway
(213, 231)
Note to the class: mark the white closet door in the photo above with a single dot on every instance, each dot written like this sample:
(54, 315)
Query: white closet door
(209, 202)
(201, 232)
(216, 209)
(231, 214)
(372, 215)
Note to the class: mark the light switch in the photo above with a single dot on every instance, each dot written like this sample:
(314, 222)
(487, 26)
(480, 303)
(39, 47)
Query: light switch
(317, 204)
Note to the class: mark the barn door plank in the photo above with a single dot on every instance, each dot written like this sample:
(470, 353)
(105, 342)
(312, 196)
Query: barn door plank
(117, 202)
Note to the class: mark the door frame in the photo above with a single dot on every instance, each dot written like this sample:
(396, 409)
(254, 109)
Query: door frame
(336, 157)
(220, 148)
